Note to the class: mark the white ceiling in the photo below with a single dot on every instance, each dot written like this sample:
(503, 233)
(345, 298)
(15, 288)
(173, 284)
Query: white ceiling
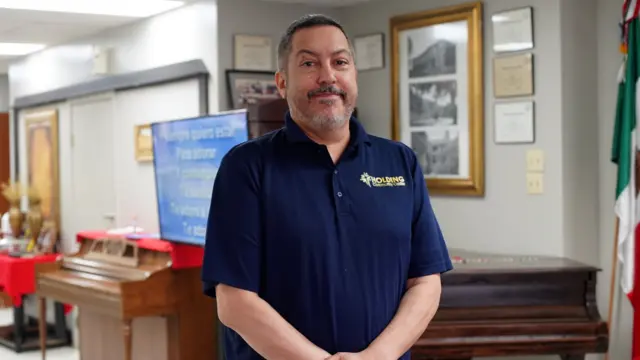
(328, 3)
(21, 26)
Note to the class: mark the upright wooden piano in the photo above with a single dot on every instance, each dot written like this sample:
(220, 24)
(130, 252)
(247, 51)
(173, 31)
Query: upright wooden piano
(114, 281)
(494, 305)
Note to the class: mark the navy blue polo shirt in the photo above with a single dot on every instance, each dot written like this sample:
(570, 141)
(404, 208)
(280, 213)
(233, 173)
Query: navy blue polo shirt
(329, 246)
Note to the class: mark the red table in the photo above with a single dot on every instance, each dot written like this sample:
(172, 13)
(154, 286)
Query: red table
(17, 275)
(18, 279)
(183, 256)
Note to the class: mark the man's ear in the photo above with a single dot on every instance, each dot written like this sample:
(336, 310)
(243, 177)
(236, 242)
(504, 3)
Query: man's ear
(281, 83)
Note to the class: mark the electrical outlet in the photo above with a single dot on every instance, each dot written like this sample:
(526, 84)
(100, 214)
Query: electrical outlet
(535, 160)
(535, 183)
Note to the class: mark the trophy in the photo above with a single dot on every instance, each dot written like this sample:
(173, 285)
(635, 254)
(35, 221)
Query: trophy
(34, 217)
(13, 193)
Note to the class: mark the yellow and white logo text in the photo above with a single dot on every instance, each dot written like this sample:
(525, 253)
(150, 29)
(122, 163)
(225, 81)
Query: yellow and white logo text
(383, 181)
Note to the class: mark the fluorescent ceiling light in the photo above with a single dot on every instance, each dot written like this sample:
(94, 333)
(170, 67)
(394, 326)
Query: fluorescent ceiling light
(127, 8)
(17, 49)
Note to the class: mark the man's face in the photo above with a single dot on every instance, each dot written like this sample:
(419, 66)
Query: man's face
(320, 81)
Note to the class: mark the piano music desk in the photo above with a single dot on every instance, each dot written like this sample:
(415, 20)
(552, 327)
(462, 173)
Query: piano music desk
(17, 280)
(174, 320)
(502, 305)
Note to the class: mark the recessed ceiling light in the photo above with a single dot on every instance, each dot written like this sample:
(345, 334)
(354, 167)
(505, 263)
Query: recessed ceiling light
(17, 49)
(126, 8)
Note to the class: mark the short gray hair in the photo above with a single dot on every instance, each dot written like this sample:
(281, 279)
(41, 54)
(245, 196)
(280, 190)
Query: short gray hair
(307, 21)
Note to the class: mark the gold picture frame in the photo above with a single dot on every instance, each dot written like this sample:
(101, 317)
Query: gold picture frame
(41, 130)
(438, 97)
(143, 143)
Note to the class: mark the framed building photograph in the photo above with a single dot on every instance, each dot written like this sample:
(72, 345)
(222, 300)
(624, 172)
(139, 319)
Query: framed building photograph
(246, 87)
(437, 95)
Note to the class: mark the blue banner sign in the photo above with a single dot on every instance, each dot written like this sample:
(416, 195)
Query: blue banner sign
(186, 156)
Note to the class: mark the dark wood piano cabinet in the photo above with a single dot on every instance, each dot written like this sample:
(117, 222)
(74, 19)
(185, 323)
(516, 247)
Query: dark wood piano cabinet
(494, 305)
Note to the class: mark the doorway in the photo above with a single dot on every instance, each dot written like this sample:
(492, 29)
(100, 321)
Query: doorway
(92, 163)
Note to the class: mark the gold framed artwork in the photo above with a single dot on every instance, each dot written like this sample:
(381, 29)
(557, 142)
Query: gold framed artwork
(437, 95)
(143, 143)
(41, 128)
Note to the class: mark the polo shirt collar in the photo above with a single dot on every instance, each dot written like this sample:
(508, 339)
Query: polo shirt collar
(295, 134)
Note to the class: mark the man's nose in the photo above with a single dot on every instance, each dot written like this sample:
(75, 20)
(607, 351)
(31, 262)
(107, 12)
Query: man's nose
(327, 74)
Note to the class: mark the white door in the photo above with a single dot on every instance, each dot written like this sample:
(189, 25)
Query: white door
(92, 163)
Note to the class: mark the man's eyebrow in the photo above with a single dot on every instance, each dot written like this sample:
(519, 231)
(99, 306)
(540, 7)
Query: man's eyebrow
(313, 53)
(306, 51)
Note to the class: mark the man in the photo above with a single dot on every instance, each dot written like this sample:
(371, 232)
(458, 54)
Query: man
(322, 243)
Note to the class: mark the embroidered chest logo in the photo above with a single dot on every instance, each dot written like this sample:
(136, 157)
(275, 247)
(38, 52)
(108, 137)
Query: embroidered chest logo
(385, 181)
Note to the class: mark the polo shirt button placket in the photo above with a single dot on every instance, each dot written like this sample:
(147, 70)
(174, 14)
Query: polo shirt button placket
(339, 194)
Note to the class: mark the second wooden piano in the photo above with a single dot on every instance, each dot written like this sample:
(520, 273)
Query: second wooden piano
(499, 305)
(114, 281)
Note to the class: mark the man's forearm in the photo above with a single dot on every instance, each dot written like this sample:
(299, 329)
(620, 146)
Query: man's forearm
(265, 330)
(417, 308)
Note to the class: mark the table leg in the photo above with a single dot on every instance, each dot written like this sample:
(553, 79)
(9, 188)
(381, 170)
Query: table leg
(18, 330)
(42, 327)
(128, 339)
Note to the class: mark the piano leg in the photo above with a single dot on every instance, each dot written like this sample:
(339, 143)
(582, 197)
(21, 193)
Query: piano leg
(573, 357)
(42, 326)
(128, 339)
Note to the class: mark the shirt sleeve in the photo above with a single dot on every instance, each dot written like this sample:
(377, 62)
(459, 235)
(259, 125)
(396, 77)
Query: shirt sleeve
(429, 254)
(232, 246)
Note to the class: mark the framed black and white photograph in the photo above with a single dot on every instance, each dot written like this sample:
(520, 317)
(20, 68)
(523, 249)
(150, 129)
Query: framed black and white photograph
(437, 95)
(246, 87)
(433, 103)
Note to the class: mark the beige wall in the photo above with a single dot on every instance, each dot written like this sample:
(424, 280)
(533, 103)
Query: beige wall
(4, 93)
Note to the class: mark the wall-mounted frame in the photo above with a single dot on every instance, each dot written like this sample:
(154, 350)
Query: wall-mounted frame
(143, 143)
(513, 75)
(252, 52)
(514, 122)
(247, 87)
(41, 128)
(370, 51)
(513, 30)
(437, 95)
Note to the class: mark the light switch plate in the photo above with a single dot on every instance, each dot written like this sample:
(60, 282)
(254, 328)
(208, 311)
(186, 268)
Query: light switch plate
(535, 160)
(535, 183)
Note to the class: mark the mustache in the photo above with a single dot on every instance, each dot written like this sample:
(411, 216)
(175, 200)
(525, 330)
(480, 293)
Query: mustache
(326, 90)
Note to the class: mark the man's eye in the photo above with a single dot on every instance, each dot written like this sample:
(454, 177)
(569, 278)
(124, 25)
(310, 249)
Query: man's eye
(307, 63)
(342, 62)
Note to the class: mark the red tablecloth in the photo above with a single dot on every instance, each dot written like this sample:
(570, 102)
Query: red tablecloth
(182, 255)
(17, 275)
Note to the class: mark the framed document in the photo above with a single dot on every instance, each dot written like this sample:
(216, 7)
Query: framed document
(143, 143)
(514, 123)
(513, 30)
(513, 75)
(252, 53)
(369, 51)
